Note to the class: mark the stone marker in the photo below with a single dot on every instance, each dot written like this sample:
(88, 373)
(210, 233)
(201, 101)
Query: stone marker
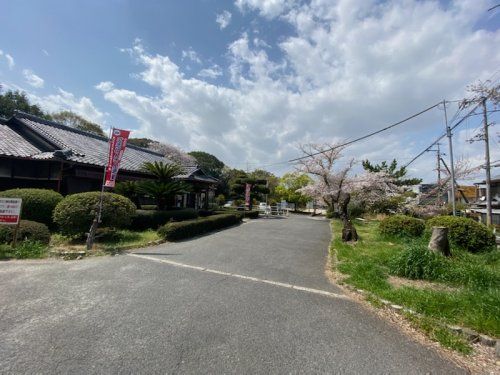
(439, 241)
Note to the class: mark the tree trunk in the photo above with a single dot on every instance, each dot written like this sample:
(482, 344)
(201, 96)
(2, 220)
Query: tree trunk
(348, 231)
(439, 241)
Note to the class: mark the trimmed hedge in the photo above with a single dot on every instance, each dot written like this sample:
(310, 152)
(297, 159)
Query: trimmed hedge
(38, 204)
(254, 214)
(147, 219)
(191, 228)
(464, 233)
(74, 214)
(401, 226)
(28, 230)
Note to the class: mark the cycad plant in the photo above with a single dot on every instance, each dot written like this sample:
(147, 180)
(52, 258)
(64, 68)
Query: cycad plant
(130, 190)
(164, 186)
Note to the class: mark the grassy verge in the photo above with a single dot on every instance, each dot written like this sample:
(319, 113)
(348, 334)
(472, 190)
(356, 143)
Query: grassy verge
(24, 250)
(464, 290)
(118, 240)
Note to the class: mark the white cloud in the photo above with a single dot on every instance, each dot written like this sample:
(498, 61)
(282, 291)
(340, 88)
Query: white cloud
(213, 72)
(191, 55)
(32, 79)
(104, 86)
(349, 67)
(66, 101)
(9, 59)
(267, 8)
(223, 19)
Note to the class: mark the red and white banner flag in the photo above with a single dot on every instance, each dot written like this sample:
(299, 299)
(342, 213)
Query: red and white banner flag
(248, 187)
(117, 145)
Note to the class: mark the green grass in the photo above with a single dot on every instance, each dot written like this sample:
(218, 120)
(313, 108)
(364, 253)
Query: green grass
(24, 250)
(113, 241)
(127, 238)
(472, 296)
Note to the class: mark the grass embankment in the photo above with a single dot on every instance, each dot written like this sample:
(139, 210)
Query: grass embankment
(463, 290)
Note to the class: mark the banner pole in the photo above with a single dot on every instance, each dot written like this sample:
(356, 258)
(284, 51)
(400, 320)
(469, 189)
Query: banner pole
(97, 218)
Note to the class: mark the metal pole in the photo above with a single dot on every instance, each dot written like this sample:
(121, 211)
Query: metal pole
(439, 174)
(452, 165)
(97, 218)
(487, 166)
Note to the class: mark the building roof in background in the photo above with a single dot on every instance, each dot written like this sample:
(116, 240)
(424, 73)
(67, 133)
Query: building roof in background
(28, 136)
(13, 144)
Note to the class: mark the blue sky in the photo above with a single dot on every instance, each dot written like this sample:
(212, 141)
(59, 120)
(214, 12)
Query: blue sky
(248, 80)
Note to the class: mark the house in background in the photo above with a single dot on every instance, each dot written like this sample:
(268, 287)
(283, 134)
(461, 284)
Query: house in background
(479, 205)
(38, 153)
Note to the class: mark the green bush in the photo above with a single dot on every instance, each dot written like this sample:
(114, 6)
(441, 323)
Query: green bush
(191, 228)
(28, 230)
(355, 209)
(148, 219)
(254, 214)
(417, 262)
(6, 251)
(464, 233)
(74, 214)
(401, 226)
(38, 204)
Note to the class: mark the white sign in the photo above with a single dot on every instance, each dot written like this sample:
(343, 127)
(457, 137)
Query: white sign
(10, 210)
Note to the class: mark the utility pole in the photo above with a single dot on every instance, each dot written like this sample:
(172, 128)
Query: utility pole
(487, 166)
(452, 165)
(439, 174)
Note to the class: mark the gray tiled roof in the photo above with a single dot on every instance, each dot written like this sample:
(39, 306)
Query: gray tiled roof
(13, 144)
(87, 148)
(77, 145)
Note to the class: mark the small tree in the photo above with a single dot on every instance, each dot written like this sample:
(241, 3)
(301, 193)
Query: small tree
(73, 120)
(165, 186)
(289, 185)
(18, 100)
(334, 185)
(392, 171)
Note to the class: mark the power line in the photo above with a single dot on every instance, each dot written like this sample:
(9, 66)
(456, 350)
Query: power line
(366, 136)
(443, 135)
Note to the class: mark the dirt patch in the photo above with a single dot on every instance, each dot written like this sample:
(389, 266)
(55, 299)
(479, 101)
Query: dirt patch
(398, 282)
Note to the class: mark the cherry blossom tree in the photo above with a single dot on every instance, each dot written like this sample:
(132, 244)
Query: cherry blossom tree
(173, 153)
(334, 185)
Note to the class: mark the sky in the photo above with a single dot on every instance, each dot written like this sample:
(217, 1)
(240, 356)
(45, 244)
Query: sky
(250, 80)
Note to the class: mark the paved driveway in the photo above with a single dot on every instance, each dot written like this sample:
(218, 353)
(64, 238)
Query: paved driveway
(222, 303)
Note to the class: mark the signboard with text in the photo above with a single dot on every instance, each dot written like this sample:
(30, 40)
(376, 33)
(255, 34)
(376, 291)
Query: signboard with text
(117, 145)
(10, 210)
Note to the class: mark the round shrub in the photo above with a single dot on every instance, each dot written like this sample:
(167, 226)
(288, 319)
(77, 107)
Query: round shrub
(401, 226)
(464, 233)
(38, 204)
(28, 231)
(74, 214)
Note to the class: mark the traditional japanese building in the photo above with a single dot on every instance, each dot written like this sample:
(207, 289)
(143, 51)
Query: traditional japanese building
(38, 153)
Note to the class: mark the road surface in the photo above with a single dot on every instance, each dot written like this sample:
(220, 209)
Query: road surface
(252, 299)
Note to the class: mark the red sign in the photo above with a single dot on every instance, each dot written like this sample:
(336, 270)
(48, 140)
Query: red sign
(247, 194)
(117, 145)
(10, 210)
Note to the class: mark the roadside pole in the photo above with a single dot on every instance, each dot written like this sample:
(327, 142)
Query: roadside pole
(16, 229)
(452, 165)
(487, 166)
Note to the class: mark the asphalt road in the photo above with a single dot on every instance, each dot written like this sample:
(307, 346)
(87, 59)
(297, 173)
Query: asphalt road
(142, 313)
